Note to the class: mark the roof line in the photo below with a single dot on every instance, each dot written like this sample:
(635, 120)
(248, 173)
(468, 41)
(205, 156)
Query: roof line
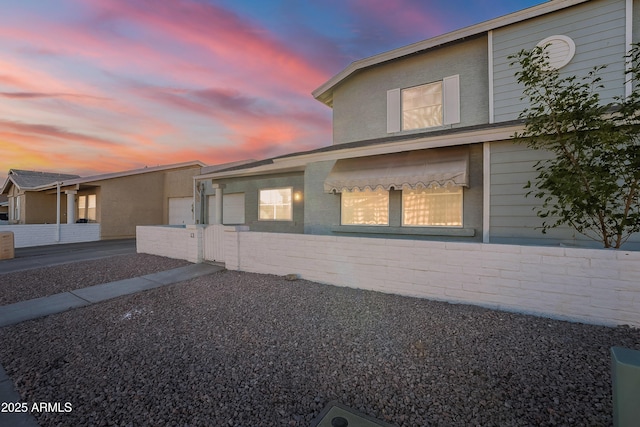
(324, 95)
(294, 161)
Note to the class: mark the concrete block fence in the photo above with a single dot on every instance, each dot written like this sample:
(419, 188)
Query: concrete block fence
(586, 285)
(177, 242)
(25, 235)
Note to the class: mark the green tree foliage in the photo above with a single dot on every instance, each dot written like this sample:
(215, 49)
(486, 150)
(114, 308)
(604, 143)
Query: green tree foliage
(592, 183)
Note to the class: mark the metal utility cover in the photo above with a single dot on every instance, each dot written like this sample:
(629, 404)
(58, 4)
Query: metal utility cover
(353, 417)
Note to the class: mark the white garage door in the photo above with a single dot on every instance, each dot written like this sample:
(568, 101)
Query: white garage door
(180, 210)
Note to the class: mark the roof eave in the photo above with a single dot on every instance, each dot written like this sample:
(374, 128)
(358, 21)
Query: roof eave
(324, 93)
(298, 161)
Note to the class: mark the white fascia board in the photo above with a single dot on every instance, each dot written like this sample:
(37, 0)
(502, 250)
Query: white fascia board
(259, 170)
(322, 94)
(297, 163)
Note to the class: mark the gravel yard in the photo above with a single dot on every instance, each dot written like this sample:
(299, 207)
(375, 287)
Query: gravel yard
(241, 349)
(40, 282)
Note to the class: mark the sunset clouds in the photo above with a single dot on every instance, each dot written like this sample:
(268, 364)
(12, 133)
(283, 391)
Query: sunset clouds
(92, 86)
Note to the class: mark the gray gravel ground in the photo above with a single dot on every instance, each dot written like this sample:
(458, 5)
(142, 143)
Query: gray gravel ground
(241, 349)
(40, 282)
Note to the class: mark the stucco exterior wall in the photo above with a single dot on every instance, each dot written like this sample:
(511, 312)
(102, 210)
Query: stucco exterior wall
(360, 102)
(40, 208)
(130, 201)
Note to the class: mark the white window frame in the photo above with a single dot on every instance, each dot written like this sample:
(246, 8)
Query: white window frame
(84, 206)
(344, 210)
(435, 194)
(260, 205)
(450, 105)
(437, 106)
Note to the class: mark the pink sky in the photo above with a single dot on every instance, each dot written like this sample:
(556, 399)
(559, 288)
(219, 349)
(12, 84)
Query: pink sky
(94, 86)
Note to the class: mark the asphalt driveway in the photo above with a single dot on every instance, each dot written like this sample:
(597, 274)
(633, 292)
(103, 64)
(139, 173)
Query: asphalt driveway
(46, 256)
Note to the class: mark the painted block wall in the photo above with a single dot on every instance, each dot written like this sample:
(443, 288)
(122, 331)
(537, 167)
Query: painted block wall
(26, 235)
(596, 27)
(171, 241)
(586, 285)
(360, 102)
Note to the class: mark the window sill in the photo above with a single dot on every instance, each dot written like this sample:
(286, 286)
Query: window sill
(405, 231)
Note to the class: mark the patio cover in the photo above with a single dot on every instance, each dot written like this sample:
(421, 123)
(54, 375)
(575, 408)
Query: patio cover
(408, 170)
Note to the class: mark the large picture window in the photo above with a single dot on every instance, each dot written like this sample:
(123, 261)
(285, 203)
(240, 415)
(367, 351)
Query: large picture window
(275, 204)
(422, 106)
(87, 207)
(365, 207)
(432, 207)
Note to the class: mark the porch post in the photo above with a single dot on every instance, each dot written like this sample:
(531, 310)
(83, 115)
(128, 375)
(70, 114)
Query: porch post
(71, 206)
(219, 189)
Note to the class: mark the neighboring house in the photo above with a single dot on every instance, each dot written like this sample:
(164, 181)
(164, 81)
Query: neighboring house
(422, 136)
(27, 203)
(117, 201)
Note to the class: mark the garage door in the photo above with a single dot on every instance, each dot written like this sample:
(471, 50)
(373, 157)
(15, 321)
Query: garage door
(180, 210)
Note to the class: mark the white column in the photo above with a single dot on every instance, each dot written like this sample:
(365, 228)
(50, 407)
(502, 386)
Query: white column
(71, 206)
(219, 189)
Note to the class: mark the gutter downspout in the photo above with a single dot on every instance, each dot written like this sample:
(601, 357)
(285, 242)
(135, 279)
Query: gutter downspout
(58, 211)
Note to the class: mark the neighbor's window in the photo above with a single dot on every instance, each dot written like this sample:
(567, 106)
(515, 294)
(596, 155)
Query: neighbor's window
(432, 207)
(365, 207)
(87, 207)
(422, 106)
(275, 204)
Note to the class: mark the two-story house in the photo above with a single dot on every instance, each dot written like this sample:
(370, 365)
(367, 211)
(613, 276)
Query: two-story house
(423, 136)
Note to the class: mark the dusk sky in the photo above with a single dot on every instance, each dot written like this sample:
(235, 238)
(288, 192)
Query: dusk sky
(93, 86)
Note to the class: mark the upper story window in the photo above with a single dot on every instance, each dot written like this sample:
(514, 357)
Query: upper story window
(422, 106)
(425, 106)
(275, 204)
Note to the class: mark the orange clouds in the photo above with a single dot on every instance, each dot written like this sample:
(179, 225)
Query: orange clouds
(122, 84)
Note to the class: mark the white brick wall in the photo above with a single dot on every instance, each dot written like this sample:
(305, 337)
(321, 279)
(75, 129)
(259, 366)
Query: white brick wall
(586, 285)
(168, 241)
(26, 235)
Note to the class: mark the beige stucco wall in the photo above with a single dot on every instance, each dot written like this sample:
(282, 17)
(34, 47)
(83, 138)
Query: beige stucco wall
(39, 208)
(129, 201)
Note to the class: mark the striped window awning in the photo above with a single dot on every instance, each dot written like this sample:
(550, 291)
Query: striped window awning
(406, 170)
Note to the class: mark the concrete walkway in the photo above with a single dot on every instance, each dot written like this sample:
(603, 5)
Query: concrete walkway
(39, 307)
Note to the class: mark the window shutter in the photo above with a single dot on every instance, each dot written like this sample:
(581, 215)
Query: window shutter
(393, 110)
(451, 97)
